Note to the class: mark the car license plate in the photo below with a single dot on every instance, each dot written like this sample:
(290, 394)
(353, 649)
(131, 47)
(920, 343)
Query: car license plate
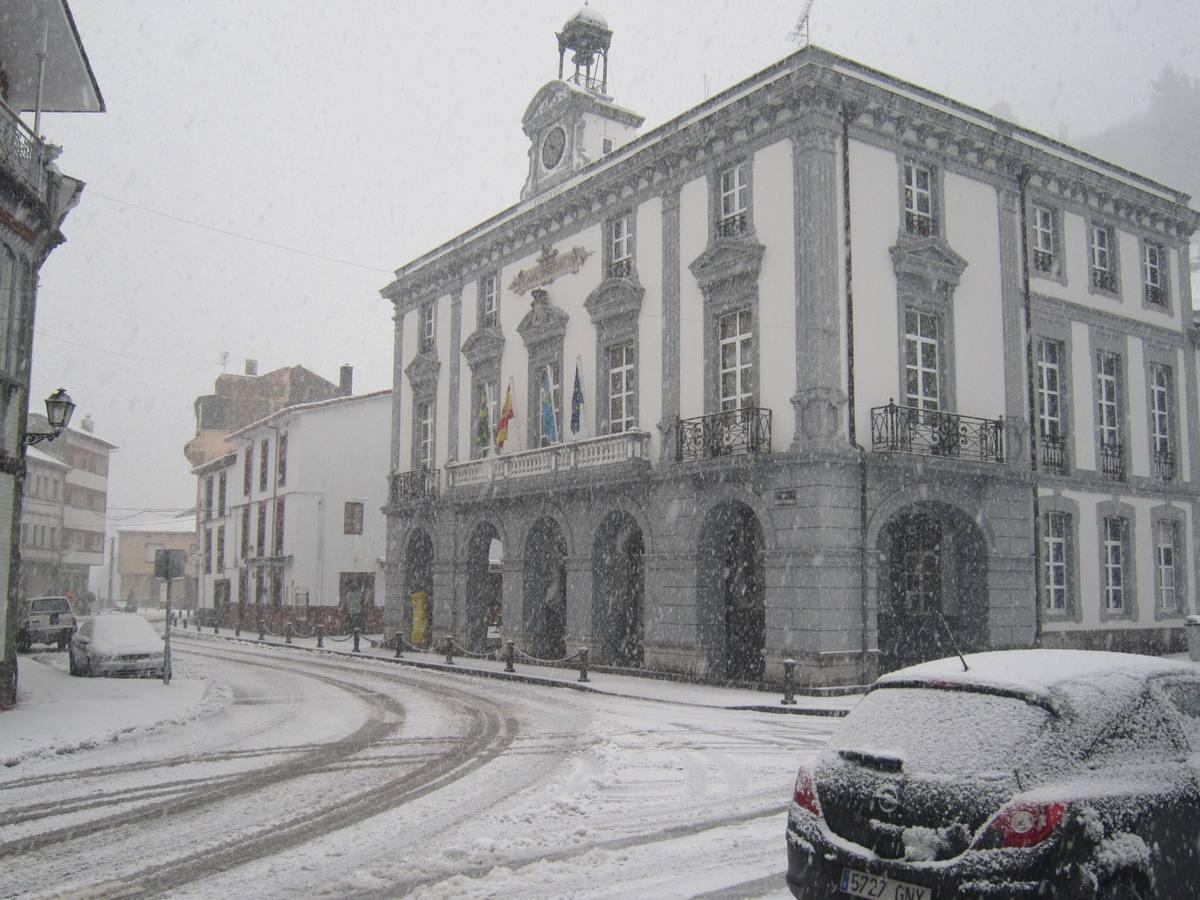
(860, 884)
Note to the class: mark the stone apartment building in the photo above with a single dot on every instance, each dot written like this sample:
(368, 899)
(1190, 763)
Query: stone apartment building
(43, 69)
(829, 368)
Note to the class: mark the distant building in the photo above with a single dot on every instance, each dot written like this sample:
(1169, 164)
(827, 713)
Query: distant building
(863, 373)
(43, 68)
(42, 515)
(134, 582)
(290, 522)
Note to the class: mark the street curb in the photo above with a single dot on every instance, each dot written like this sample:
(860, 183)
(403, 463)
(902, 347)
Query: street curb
(519, 677)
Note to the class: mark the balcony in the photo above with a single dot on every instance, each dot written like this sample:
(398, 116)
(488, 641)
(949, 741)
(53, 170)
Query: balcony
(732, 225)
(593, 453)
(907, 429)
(621, 268)
(418, 484)
(1104, 279)
(20, 151)
(1053, 453)
(1112, 460)
(1043, 261)
(1156, 294)
(1164, 464)
(732, 432)
(920, 224)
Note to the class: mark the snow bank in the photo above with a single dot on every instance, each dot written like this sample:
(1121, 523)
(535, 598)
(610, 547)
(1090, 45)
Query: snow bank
(58, 714)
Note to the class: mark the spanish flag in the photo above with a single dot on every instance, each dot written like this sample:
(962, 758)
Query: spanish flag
(506, 415)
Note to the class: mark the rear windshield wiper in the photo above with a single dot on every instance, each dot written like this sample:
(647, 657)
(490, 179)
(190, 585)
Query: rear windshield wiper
(882, 762)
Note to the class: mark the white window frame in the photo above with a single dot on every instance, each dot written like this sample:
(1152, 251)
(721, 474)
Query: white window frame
(1049, 388)
(1108, 393)
(489, 308)
(1055, 562)
(918, 346)
(1160, 408)
(735, 188)
(740, 343)
(1166, 596)
(425, 430)
(621, 384)
(1043, 235)
(918, 199)
(555, 402)
(622, 239)
(1154, 279)
(1112, 549)
(428, 326)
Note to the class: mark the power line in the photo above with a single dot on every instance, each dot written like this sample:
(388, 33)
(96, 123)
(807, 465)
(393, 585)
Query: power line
(149, 359)
(92, 192)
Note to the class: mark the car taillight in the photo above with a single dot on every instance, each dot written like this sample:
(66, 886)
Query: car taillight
(1026, 824)
(805, 793)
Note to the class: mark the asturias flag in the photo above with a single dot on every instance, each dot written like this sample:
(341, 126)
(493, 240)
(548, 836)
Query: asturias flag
(576, 401)
(549, 423)
(506, 416)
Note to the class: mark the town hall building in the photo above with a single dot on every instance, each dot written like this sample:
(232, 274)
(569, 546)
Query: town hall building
(830, 368)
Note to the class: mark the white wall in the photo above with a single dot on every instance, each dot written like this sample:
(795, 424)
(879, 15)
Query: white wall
(774, 227)
(693, 238)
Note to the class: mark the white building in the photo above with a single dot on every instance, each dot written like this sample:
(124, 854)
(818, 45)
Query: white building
(290, 527)
(863, 368)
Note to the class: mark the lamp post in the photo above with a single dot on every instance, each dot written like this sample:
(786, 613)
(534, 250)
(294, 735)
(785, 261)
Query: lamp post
(59, 407)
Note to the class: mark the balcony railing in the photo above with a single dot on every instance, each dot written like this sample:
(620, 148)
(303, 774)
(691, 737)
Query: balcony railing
(1156, 294)
(732, 226)
(728, 433)
(1112, 460)
(908, 429)
(1164, 464)
(415, 485)
(1054, 452)
(1104, 279)
(609, 449)
(1043, 261)
(918, 223)
(620, 268)
(20, 150)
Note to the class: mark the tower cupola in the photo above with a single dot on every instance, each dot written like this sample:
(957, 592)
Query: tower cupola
(588, 36)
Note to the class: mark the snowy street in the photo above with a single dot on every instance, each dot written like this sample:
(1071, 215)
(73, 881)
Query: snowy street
(309, 775)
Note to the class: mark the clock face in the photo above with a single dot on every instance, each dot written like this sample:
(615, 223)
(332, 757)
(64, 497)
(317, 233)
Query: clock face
(553, 146)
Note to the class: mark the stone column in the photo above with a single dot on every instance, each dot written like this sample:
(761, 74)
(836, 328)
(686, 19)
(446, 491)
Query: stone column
(670, 323)
(455, 363)
(397, 384)
(819, 398)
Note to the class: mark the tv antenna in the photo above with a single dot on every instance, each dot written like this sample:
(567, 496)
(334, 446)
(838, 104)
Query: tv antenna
(799, 34)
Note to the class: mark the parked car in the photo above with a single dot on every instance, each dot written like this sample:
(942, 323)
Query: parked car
(1031, 773)
(45, 620)
(116, 644)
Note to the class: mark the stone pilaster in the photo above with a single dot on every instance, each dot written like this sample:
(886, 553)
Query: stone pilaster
(670, 323)
(397, 386)
(1013, 328)
(455, 366)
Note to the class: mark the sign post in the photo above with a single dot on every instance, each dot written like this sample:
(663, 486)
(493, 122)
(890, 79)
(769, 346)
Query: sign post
(168, 564)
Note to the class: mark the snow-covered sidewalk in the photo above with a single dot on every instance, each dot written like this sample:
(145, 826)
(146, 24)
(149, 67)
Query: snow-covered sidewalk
(57, 714)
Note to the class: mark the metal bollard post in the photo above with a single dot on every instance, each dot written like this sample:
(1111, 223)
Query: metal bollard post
(356, 636)
(237, 628)
(449, 650)
(288, 632)
(789, 670)
(320, 636)
(216, 626)
(583, 658)
(509, 652)
(399, 645)
(262, 630)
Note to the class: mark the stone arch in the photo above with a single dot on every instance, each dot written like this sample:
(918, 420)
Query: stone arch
(731, 591)
(618, 590)
(932, 583)
(484, 584)
(419, 558)
(545, 589)
(927, 492)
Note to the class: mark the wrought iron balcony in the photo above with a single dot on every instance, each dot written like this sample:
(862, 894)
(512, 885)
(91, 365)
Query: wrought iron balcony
(414, 485)
(1156, 294)
(20, 150)
(1053, 452)
(732, 226)
(728, 433)
(908, 429)
(918, 224)
(1104, 279)
(1043, 261)
(1164, 464)
(620, 268)
(1112, 460)
(606, 450)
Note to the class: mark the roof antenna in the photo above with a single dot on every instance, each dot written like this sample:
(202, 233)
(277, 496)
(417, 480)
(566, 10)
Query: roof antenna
(953, 642)
(799, 34)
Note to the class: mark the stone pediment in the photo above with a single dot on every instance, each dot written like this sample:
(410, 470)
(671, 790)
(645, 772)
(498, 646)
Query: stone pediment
(614, 298)
(549, 103)
(543, 322)
(484, 346)
(728, 261)
(423, 370)
(930, 260)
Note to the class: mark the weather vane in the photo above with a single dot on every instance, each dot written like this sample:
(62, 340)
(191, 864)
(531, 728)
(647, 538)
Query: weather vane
(799, 34)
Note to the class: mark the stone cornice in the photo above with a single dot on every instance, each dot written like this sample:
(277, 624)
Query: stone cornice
(929, 258)
(728, 262)
(484, 346)
(422, 372)
(614, 298)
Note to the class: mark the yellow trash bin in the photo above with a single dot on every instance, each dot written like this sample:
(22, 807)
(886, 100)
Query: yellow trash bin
(420, 618)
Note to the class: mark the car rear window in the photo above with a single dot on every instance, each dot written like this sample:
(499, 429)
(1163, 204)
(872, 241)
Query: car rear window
(943, 731)
(123, 627)
(50, 604)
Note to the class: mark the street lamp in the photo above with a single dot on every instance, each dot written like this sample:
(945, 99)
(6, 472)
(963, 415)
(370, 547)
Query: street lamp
(59, 407)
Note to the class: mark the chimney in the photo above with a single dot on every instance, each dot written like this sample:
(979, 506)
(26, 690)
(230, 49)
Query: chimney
(346, 381)
(87, 424)
(252, 367)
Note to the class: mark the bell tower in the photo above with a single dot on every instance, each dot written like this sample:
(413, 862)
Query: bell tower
(572, 121)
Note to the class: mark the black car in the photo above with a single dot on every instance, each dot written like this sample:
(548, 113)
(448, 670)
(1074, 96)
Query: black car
(1031, 773)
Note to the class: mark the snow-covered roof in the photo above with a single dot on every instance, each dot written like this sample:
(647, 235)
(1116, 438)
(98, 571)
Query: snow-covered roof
(41, 456)
(307, 407)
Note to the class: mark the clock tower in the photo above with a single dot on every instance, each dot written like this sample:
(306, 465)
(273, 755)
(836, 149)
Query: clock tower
(572, 121)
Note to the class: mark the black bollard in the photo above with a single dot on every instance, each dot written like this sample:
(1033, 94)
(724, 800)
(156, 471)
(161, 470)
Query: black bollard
(583, 658)
(262, 630)
(320, 636)
(356, 635)
(449, 650)
(216, 626)
(288, 632)
(237, 628)
(789, 669)
(509, 653)
(399, 646)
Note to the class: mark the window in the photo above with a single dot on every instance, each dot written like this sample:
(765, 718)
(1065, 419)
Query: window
(620, 247)
(208, 497)
(734, 192)
(1112, 556)
(1103, 259)
(1166, 539)
(922, 380)
(1056, 529)
(427, 326)
(263, 463)
(737, 362)
(1163, 458)
(208, 549)
(424, 458)
(621, 412)
(489, 302)
(1108, 415)
(1154, 274)
(485, 419)
(1045, 240)
(245, 531)
(277, 541)
(352, 518)
(221, 485)
(261, 543)
(918, 200)
(606, 146)
(220, 548)
(281, 458)
(545, 438)
(1051, 431)
(247, 471)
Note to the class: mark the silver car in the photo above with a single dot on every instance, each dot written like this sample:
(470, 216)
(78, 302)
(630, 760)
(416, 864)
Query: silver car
(116, 644)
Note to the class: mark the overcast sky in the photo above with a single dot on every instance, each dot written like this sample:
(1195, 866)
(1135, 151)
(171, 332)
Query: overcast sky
(369, 131)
